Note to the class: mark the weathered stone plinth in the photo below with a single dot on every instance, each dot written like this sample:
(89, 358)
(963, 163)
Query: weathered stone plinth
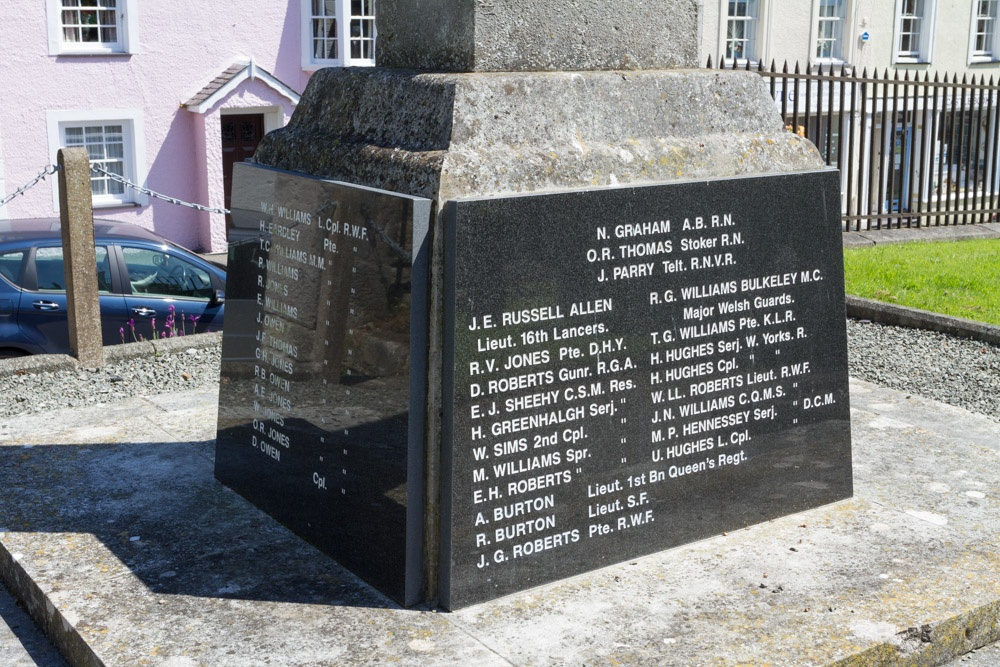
(451, 135)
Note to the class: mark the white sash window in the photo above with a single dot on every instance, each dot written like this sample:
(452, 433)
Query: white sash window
(338, 33)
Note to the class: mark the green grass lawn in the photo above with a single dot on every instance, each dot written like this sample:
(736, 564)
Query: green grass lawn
(959, 278)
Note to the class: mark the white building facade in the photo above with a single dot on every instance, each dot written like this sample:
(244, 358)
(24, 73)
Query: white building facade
(165, 95)
(954, 36)
(908, 150)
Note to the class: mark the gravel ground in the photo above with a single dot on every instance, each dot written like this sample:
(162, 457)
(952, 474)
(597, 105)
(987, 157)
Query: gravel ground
(948, 369)
(960, 372)
(41, 392)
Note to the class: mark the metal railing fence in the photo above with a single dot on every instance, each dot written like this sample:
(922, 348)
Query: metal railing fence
(912, 151)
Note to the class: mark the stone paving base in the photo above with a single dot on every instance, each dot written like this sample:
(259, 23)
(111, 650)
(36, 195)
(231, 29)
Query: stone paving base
(128, 552)
(21, 643)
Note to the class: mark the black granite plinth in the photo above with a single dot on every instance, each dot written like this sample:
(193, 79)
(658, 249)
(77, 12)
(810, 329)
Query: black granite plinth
(321, 407)
(637, 368)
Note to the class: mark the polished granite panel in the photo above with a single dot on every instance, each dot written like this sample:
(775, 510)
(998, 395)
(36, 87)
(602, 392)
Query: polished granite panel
(637, 368)
(321, 404)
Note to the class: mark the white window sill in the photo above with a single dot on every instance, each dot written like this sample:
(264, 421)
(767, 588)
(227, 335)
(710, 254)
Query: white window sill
(318, 65)
(314, 66)
(977, 192)
(104, 205)
(910, 61)
(741, 63)
(92, 52)
(984, 60)
(831, 62)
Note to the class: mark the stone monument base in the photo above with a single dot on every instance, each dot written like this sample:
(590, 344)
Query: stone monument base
(445, 136)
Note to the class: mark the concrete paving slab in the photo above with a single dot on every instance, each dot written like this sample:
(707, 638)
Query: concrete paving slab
(185, 414)
(988, 656)
(99, 423)
(128, 552)
(21, 644)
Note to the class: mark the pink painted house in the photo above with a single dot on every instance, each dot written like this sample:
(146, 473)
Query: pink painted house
(166, 94)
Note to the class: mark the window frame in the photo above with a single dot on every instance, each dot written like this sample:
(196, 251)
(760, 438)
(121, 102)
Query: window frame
(928, 20)
(128, 32)
(343, 58)
(839, 52)
(749, 20)
(991, 55)
(133, 145)
(111, 133)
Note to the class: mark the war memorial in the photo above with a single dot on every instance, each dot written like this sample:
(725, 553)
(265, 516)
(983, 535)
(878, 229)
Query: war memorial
(535, 354)
(524, 309)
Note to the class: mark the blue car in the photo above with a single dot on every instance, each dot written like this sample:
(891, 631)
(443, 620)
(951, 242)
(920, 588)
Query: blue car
(148, 287)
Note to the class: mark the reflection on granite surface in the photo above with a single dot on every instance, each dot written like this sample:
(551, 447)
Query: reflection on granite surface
(315, 419)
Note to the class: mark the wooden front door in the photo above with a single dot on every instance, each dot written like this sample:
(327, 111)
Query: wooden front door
(240, 136)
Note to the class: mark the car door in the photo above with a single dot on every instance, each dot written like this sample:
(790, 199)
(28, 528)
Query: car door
(42, 314)
(11, 338)
(167, 294)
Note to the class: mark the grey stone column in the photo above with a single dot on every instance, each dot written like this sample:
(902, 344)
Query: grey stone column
(477, 97)
(76, 215)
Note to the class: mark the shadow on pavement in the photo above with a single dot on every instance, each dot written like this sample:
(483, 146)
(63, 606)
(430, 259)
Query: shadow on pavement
(163, 516)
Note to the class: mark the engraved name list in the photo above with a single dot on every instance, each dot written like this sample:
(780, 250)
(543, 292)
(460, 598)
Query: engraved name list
(644, 373)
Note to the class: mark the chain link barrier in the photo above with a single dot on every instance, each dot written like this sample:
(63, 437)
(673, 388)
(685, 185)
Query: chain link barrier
(97, 169)
(48, 171)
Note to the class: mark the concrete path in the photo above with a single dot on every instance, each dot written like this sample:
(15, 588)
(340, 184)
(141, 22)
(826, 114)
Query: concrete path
(127, 551)
(990, 230)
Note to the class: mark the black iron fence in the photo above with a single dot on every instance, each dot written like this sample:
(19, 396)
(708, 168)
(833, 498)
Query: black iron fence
(912, 151)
